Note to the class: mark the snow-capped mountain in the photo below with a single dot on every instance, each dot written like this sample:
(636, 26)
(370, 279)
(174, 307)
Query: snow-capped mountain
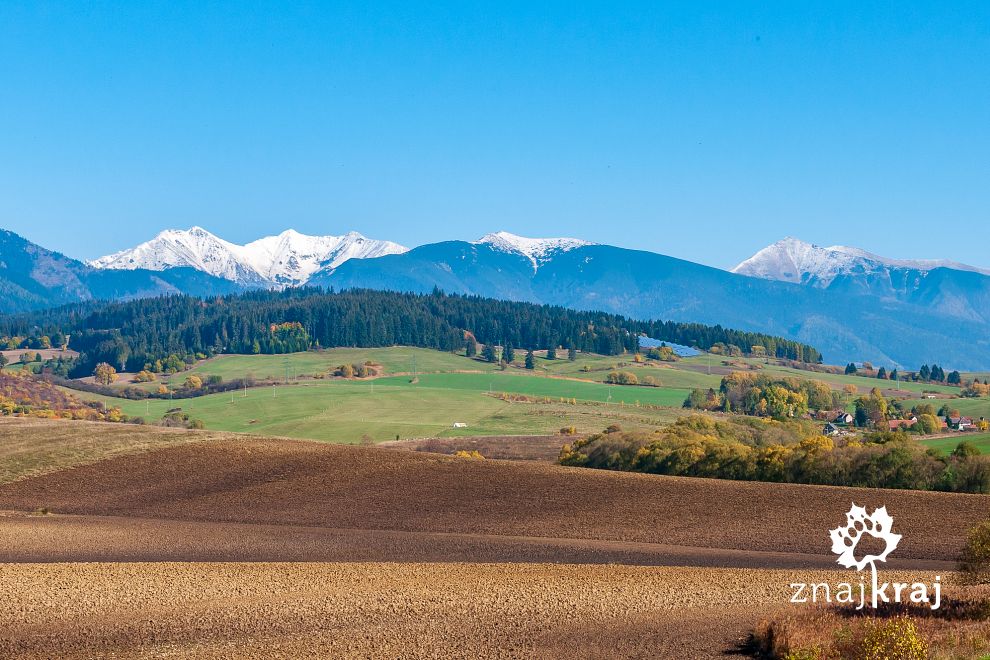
(288, 259)
(793, 260)
(537, 250)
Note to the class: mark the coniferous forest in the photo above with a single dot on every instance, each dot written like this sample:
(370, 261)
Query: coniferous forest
(131, 334)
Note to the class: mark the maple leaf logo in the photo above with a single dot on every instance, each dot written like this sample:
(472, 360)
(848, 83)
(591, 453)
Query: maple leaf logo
(878, 525)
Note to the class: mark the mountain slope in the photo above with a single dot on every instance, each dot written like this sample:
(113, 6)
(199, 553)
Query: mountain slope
(32, 277)
(288, 259)
(793, 260)
(850, 326)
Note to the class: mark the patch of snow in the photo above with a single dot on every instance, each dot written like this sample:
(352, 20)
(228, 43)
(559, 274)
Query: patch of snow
(794, 260)
(537, 250)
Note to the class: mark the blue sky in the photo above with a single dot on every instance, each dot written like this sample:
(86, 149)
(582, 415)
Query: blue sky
(700, 130)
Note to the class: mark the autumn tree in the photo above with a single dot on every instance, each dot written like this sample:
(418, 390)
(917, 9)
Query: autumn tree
(193, 382)
(105, 374)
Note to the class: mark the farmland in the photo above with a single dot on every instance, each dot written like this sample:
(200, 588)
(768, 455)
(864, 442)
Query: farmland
(233, 545)
(422, 393)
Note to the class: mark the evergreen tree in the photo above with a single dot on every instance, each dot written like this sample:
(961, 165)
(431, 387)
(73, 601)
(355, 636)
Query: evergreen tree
(925, 373)
(552, 352)
(508, 354)
(530, 360)
(488, 352)
(894, 375)
(955, 378)
(882, 373)
(850, 369)
(572, 354)
(471, 347)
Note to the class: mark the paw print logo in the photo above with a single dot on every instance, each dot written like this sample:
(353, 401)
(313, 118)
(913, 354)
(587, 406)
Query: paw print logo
(879, 525)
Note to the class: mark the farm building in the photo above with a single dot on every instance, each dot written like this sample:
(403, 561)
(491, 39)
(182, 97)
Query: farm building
(843, 418)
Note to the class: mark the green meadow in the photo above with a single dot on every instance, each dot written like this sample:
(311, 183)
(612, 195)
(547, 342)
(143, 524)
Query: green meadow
(946, 445)
(427, 405)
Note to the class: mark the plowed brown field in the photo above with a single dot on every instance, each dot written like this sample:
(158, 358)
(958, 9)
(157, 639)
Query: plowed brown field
(420, 555)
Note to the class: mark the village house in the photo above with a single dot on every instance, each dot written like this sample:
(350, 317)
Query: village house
(960, 423)
(831, 430)
(895, 424)
(843, 419)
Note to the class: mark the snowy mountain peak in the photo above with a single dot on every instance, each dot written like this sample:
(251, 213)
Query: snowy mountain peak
(288, 259)
(537, 250)
(794, 260)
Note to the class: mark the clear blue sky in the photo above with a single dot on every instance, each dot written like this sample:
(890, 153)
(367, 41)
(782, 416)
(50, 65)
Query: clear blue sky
(700, 130)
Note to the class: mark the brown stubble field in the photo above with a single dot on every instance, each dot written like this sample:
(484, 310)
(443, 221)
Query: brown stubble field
(235, 546)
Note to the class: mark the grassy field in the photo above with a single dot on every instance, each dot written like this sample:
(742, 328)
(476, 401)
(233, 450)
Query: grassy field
(394, 359)
(452, 388)
(29, 447)
(946, 445)
(344, 411)
(974, 408)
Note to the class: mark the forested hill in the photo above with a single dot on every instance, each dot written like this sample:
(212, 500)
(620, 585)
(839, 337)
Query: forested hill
(133, 333)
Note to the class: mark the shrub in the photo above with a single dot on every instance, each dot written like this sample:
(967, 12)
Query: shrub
(897, 637)
(475, 454)
(568, 430)
(974, 562)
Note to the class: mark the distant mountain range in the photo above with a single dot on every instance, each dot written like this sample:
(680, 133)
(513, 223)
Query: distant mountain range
(851, 304)
(289, 259)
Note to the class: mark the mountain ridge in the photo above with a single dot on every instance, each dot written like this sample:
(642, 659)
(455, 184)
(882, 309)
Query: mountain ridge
(287, 259)
(897, 313)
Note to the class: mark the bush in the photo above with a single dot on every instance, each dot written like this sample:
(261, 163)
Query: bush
(897, 637)
(974, 562)
(475, 454)
(622, 378)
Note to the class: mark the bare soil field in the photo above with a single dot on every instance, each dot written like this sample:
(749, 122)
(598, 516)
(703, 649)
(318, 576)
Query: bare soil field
(241, 479)
(237, 546)
(210, 610)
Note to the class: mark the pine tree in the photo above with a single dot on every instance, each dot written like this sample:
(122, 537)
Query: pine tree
(471, 347)
(894, 375)
(850, 369)
(488, 352)
(925, 373)
(882, 373)
(572, 354)
(530, 360)
(552, 353)
(508, 354)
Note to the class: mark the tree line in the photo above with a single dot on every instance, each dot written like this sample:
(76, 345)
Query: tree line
(134, 334)
(782, 451)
